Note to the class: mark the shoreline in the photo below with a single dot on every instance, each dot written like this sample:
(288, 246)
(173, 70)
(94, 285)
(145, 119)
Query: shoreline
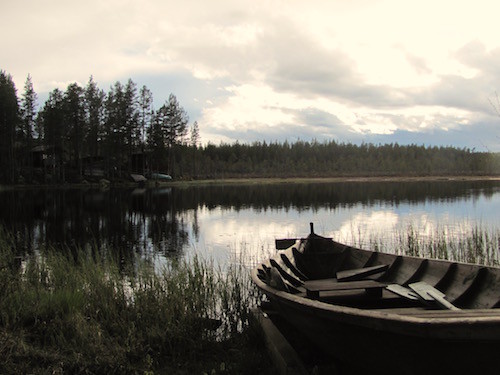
(279, 180)
(255, 181)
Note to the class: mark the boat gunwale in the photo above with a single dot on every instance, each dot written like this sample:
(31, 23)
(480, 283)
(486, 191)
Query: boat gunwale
(394, 322)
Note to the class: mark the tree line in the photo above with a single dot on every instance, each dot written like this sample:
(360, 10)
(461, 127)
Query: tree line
(331, 159)
(84, 132)
(84, 129)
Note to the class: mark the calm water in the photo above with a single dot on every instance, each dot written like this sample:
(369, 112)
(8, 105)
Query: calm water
(223, 221)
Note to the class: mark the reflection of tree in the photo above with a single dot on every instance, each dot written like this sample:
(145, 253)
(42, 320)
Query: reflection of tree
(195, 225)
(303, 195)
(166, 228)
(119, 219)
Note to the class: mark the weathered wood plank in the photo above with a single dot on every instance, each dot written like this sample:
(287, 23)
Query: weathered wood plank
(286, 359)
(439, 298)
(430, 294)
(285, 273)
(290, 263)
(402, 291)
(314, 287)
(361, 273)
(426, 313)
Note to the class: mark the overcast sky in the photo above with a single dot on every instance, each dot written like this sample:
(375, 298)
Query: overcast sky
(423, 72)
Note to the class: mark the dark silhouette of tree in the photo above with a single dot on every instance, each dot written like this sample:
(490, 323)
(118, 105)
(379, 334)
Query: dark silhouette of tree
(156, 143)
(52, 119)
(120, 129)
(28, 127)
(146, 113)
(194, 141)
(195, 135)
(75, 124)
(131, 124)
(28, 110)
(94, 115)
(173, 121)
(9, 120)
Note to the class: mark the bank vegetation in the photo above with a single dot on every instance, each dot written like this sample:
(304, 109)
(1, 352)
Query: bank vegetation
(72, 312)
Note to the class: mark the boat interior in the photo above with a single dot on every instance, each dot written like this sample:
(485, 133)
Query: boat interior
(321, 269)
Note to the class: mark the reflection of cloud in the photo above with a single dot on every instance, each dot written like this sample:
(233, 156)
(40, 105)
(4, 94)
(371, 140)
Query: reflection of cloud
(366, 224)
(231, 229)
(390, 230)
(249, 233)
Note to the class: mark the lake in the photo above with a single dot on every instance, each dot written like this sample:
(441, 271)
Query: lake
(238, 222)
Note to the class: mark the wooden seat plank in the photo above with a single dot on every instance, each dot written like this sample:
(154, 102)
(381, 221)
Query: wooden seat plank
(314, 287)
(361, 273)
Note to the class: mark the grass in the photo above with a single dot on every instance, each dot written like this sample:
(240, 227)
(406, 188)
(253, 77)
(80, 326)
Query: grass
(83, 313)
(65, 311)
(476, 244)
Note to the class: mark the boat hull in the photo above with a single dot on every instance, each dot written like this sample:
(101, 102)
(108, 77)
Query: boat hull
(362, 347)
(405, 339)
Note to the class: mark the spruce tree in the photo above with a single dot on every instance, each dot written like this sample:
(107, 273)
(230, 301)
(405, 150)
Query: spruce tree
(28, 116)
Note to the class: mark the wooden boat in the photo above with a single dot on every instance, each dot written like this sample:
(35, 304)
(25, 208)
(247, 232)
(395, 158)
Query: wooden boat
(386, 313)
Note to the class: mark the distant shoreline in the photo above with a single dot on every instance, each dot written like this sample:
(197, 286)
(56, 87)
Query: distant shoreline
(272, 180)
(254, 181)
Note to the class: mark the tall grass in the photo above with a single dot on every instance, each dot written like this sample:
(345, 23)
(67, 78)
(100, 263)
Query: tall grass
(476, 244)
(84, 313)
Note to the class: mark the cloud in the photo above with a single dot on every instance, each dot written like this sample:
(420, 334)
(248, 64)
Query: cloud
(418, 63)
(359, 70)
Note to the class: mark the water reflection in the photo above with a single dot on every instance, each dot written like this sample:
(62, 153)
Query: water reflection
(220, 221)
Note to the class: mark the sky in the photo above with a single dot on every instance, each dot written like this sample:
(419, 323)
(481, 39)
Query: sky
(421, 72)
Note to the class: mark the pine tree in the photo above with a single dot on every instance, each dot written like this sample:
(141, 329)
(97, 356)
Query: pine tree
(94, 115)
(145, 112)
(9, 120)
(156, 143)
(129, 107)
(113, 130)
(174, 125)
(195, 139)
(52, 120)
(145, 119)
(195, 135)
(75, 124)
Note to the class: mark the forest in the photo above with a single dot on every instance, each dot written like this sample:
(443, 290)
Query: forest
(87, 134)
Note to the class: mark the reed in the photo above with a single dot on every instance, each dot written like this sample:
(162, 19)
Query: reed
(475, 244)
(83, 312)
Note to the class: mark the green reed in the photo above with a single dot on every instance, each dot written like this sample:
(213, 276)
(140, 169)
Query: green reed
(85, 312)
(471, 245)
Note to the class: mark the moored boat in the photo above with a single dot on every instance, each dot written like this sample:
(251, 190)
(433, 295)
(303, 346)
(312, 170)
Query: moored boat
(386, 313)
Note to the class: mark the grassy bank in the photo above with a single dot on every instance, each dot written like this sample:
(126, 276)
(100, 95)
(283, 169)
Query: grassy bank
(260, 181)
(83, 313)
